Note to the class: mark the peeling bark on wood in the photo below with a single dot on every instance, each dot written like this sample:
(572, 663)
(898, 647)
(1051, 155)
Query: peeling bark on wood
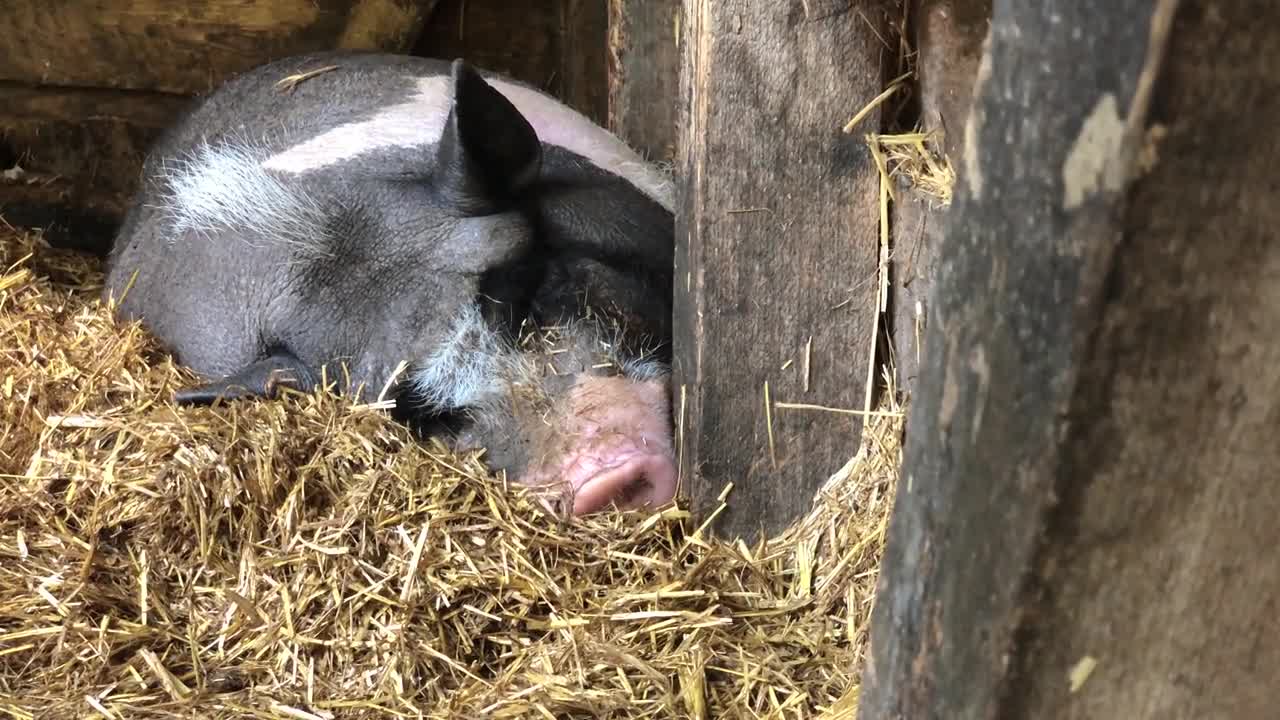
(1091, 468)
(187, 46)
(777, 243)
(644, 64)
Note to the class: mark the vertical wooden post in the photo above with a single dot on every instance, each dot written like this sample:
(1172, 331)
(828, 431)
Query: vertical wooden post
(777, 249)
(644, 65)
(947, 38)
(1088, 509)
(584, 69)
(558, 46)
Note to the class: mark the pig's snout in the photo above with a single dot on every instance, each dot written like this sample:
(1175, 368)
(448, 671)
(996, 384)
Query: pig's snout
(630, 481)
(617, 446)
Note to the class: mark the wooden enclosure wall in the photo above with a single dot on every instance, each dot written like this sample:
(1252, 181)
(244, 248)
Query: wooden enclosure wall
(946, 37)
(84, 94)
(644, 73)
(1090, 503)
(777, 250)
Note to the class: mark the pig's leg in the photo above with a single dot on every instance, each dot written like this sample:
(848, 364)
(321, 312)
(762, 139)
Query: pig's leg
(262, 379)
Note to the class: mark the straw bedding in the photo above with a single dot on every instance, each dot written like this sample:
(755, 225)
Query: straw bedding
(307, 559)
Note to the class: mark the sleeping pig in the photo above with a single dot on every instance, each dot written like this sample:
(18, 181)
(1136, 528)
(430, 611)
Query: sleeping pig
(338, 214)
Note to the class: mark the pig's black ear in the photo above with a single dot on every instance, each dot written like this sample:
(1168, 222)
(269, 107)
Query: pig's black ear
(489, 152)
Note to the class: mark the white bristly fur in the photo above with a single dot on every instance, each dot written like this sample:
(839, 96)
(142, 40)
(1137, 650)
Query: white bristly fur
(643, 369)
(468, 369)
(474, 369)
(223, 187)
(603, 341)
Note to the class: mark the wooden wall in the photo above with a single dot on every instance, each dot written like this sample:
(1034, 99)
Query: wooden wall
(1088, 503)
(83, 95)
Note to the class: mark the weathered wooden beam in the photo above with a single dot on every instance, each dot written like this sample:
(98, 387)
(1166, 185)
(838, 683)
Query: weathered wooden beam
(187, 46)
(584, 68)
(517, 40)
(776, 250)
(558, 46)
(947, 36)
(644, 74)
(70, 158)
(1090, 471)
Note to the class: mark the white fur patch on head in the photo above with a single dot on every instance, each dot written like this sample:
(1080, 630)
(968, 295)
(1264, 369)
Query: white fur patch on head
(468, 369)
(223, 187)
(644, 369)
(589, 345)
(419, 122)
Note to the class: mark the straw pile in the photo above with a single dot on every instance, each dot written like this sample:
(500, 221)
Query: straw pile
(307, 559)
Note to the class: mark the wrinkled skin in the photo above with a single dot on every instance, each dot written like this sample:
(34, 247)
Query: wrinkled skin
(400, 209)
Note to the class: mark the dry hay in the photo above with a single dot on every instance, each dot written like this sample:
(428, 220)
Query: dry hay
(305, 558)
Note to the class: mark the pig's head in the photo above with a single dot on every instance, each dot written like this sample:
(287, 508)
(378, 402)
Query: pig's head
(576, 413)
(573, 331)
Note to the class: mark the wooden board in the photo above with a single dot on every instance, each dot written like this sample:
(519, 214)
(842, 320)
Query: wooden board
(777, 250)
(1091, 470)
(948, 36)
(187, 46)
(72, 157)
(557, 45)
(584, 70)
(644, 74)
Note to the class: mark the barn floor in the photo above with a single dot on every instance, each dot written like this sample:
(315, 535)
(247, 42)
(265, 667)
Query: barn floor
(306, 559)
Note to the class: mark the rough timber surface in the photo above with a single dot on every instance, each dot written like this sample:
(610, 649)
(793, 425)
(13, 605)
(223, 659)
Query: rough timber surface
(187, 46)
(644, 64)
(1088, 500)
(307, 559)
(558, 45)
(70, 157)
(947, 36)
(777, 249)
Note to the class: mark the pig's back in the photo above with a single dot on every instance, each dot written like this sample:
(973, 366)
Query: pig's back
(262, 110)
(378, 115)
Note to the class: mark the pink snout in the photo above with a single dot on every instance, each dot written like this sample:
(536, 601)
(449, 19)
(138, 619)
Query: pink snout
(618, 447)
(630, 482)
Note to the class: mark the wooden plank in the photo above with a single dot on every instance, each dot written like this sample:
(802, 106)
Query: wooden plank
(187, 46)
(389, 25)
(557, 46)
(584, 69)
(519, 40)
(776, 248)
(1090, 470)
(644, 74)
(947, 35)
(72, 156)
(78, 218)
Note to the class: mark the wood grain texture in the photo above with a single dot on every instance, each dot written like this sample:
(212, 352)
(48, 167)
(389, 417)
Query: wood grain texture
(557, 45)
(584, 70)
(1091, 466)
(73, 157)
(948, 36)
(187, 46)
(644, 75)
(777, 243)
